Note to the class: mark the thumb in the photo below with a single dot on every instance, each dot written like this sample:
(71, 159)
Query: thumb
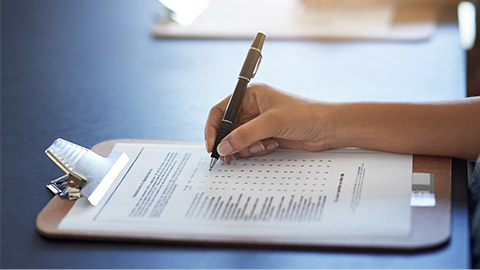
(259, 128)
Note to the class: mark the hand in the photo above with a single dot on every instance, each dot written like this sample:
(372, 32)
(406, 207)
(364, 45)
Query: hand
(267, 119)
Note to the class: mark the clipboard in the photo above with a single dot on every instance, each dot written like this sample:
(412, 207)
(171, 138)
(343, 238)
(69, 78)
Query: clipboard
(430, 225)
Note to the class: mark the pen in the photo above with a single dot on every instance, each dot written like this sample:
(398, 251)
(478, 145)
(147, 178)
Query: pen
(249, 69)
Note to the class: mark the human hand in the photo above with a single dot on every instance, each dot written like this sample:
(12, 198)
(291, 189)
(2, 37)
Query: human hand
(269, 118)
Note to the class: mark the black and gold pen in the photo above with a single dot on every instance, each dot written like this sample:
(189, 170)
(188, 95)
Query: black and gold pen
(249, 69)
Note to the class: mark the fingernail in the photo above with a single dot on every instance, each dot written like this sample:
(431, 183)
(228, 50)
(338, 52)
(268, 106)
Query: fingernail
(272, 146)
(224, 148)
(256, 148)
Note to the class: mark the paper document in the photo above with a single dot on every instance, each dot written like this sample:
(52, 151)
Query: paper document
(167, 188)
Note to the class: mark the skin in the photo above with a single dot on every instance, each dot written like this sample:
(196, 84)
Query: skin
(269, 118)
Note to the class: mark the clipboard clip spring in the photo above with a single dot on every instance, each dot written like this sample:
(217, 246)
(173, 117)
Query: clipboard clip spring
(87, 173)
(67, 187)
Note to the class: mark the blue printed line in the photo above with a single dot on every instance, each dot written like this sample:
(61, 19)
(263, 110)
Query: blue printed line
(101, 209)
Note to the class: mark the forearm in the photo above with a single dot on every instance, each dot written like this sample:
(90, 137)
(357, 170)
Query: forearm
(443, 128)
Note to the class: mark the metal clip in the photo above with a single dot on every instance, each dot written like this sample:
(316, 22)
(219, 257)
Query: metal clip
(87, 173)
(67, 187)
(257, 65)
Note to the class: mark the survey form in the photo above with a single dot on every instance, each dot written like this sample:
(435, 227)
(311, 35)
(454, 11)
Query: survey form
(168, 188)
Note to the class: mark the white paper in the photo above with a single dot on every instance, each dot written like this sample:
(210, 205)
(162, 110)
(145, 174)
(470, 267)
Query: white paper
(167, 188)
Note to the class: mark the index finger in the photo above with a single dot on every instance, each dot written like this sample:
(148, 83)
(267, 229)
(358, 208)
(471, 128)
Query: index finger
(213, 123)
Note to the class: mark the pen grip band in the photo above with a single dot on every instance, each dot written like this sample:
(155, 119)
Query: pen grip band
(225, 128)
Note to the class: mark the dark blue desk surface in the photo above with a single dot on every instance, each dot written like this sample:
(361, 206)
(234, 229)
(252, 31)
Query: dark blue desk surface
(89, 71)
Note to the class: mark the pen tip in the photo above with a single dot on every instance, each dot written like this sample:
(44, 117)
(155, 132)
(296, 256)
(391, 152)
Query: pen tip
(212, 163)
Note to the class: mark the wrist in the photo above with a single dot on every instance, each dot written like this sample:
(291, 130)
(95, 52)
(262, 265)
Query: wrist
(323, 115)
(331, 115)
(345, 126)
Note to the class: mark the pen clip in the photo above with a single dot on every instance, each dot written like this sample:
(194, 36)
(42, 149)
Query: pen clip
(257, 65)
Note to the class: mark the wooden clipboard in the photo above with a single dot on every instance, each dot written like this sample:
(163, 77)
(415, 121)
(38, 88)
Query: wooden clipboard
(430, 225)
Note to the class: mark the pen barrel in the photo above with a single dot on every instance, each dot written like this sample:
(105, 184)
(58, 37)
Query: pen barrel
(225, 128)
(235, 101)
(246, 73)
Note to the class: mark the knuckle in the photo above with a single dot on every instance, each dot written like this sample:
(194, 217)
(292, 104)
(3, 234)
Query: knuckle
(214, 111)
(257, 86)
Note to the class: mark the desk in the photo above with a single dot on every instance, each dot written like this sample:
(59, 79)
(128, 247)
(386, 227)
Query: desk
(89, 71)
